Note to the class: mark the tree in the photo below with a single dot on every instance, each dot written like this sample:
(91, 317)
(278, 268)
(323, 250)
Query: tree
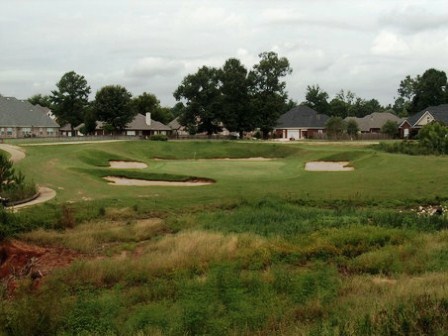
(338, 108)
(317, 99)
(113, 106)
(335, 126)
(390, 128)
(236, 109)
(268, 90)
(89, 121)
(70, 99)
(38, 99)
(352, 128)
(434, 138)
(163, 114)
(146, 102)
(429, 90)
(201, 94)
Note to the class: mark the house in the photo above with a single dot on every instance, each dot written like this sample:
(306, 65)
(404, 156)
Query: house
(20, 118)
(141, 125)
(373, 123)
(300, 122)
(177, 128)
(412, 125)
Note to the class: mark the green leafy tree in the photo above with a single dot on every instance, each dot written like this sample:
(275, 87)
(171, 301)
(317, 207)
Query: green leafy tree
(201, 94)
(335, 126)
(146, 102)
(429, 90)
(70, 99)
(163, 114)
(237, 114)
(338, 108)
(39, 99)
(434, 138)
(113, 106)
(390, 128)
(317, 99)
(90, 120)
(352, 128)
(268, 90)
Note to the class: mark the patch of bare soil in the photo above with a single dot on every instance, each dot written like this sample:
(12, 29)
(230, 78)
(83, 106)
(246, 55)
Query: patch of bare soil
(123, 181)
(328, 166)
(127, 165)
(19, 260)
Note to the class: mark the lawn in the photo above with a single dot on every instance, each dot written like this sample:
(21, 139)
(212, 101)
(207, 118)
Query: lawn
(269, 249)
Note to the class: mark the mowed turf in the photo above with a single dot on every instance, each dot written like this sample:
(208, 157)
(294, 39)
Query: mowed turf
(70, 170)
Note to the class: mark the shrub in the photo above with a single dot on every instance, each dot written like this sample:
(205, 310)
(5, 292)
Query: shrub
(158, 137)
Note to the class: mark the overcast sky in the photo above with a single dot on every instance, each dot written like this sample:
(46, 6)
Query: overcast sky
(367, 46)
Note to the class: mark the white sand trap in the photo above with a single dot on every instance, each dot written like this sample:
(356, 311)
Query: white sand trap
(127, 165)
(123, 181)
(328, 166)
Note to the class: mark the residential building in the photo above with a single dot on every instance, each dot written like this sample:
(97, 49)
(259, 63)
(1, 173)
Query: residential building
(301, 122)
(19, 119)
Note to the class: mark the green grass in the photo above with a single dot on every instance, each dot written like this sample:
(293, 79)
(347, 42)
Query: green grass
(269, 249)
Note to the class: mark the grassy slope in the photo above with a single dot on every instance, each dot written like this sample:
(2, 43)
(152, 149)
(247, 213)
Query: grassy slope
(243, 256)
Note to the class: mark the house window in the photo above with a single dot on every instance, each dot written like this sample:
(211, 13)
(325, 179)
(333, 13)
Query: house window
(50, 131)
(131, 133)
(2, 131)
(9, 131)
(320, 131)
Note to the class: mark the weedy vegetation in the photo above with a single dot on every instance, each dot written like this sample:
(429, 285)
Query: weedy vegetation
(269, 249)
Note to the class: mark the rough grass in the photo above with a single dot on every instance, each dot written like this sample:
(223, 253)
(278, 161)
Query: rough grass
(271, 250)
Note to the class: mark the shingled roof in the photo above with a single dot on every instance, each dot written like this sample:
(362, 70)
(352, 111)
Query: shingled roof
(139, 123)
(21, 113)
(374, 121)
(440, 113)
(302, 117)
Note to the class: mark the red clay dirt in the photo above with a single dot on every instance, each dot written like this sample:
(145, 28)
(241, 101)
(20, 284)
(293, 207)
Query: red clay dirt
(19, 260)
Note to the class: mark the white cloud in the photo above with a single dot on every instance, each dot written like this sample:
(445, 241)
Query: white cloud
(155, 66)
(389, 44)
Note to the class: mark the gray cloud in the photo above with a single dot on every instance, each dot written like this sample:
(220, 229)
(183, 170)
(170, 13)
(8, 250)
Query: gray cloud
(150, 45)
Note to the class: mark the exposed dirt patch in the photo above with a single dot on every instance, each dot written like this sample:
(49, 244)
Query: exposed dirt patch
(127, 165)
(19, 260)
(328, 166)
(123, 181)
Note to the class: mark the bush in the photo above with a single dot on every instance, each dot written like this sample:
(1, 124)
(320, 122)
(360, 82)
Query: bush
(158, 137)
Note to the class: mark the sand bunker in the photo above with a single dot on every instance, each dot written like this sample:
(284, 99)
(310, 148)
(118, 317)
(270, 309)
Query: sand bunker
(328, 166)
(114, 180)
(127, 165)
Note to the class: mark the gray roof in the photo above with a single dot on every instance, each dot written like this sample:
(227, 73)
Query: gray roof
(440, 113)
(21, 113)
(302, 116)
(175, 124)
(374, 120)
(138, 124)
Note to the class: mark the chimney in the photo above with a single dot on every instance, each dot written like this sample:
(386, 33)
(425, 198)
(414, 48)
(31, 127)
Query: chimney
(148, 118)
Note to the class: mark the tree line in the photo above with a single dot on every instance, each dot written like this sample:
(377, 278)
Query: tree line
(231, 97)
(113, 105)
